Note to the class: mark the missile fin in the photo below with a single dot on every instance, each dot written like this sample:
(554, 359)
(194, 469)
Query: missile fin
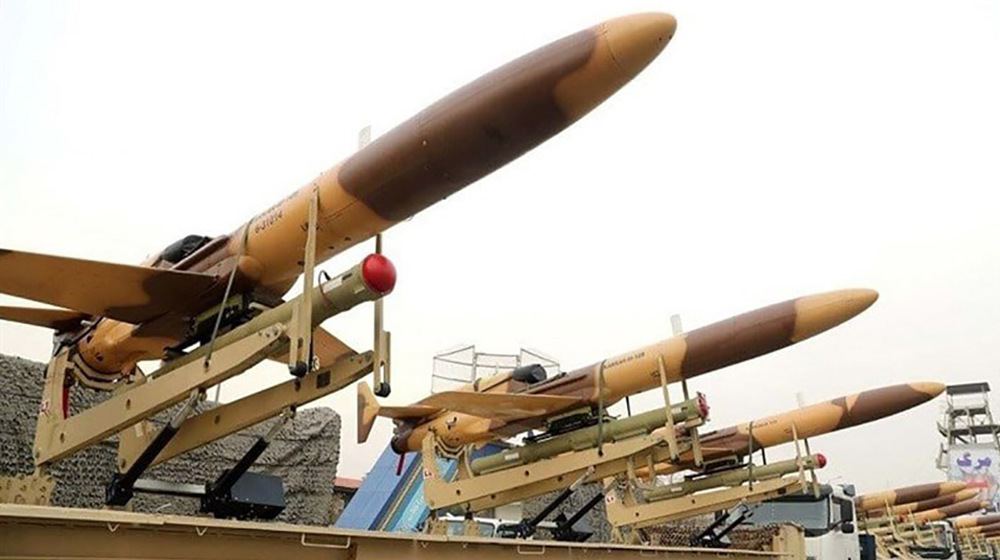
(367, 411)
(59, 319)
(133, 294)
(504, 406)
(326, 347)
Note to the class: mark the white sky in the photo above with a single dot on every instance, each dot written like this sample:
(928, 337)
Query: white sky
(773, 150)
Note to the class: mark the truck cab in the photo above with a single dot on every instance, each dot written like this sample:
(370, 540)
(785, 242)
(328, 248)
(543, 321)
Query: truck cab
(827, 520)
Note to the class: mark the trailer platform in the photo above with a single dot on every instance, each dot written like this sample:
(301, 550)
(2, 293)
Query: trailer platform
(35, 532)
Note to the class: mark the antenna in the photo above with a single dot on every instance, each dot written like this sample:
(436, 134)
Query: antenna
(675, 324)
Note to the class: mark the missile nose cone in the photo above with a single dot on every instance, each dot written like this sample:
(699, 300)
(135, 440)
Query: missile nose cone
(878, 403)
(635, 40)
(622, 48)
(817, 313)
(931, 389)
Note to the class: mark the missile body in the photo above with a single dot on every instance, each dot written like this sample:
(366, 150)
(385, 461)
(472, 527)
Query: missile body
(909, 494)
(976, 521)
(734, 477)
(809, 421)
(979, 529)
(447, 146)
(694, 353)
(588, 438)
(924, 505)
(954, 510)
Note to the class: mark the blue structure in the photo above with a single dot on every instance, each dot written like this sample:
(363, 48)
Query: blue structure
(388, 501)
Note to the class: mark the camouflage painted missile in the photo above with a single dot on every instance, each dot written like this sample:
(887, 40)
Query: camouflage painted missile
(734, 477)
(976, 521)
(694, 353)
(457, 141)
(145, 311)
(809, 421)
(954, 510)
(924, 505)
(982, 529)
(909, 494)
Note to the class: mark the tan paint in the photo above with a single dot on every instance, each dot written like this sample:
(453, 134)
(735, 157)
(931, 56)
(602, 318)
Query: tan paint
(814, 313)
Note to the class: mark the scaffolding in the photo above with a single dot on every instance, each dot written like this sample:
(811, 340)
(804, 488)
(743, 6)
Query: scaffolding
(970, 451)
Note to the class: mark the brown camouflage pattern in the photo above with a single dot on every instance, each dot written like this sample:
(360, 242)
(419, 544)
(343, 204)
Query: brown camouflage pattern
(809, 421)
(976, 521)
(981, 529)
(954, 510)
(694, 353)
(924, 505)
(451, 144)
(907, 495)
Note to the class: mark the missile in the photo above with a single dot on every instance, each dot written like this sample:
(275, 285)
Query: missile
(976, 521)
(920, 492)
(809, 421)
(734, 477)
(588, 438)
(136, 313)
(374, 277)
(456, 141)
(980, 529)
(961, 508)
(725, 343)
(924, 505)
(694, 353)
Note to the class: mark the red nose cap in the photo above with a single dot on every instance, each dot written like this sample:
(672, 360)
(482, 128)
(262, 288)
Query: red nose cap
(379, 273)
(703, 405)
(820, 460)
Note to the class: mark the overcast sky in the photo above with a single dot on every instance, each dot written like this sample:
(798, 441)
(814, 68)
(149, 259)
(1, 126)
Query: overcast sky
(773, 150)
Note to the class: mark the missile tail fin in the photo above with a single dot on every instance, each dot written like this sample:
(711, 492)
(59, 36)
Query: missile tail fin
(368, 409)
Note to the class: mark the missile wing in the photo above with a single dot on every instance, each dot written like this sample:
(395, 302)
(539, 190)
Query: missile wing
(132, 294)
(60, 320)
(502, 406)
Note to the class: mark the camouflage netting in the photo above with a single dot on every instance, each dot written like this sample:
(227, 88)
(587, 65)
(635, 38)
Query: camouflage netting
(304, 454)
(743, 538)
(595, 518)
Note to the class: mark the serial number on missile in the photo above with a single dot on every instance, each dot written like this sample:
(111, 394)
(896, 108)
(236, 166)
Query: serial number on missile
(624, 359)
(272, 215)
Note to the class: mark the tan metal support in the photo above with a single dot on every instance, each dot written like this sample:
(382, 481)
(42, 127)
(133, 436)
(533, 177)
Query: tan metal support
(300, 328)
(57, 438)
(671, 433)
(699, 458)
(232, 417)
(518, 483)
(638, 515)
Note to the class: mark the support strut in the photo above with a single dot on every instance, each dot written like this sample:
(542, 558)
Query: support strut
(122, 486)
